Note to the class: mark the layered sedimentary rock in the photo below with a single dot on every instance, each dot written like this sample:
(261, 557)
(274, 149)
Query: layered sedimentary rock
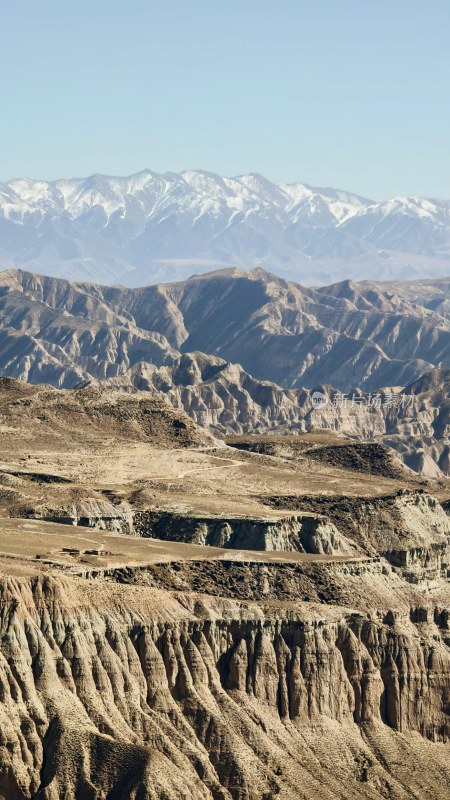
(308, 534)
(409, 529)
(140, 695)
(142, 668)
(413, 421)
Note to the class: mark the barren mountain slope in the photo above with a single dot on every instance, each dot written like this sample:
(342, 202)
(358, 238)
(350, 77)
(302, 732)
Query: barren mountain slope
(73, 334)
(345, 335)
(414, 422)
(431, 294)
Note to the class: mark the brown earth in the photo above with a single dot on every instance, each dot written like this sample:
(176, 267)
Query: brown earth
(201, 621)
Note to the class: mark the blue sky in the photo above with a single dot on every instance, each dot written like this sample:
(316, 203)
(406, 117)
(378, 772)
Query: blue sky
(348, 93)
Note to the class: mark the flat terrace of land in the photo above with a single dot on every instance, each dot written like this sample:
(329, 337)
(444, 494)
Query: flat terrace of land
(49, 546)
(220, 481)
(60, 448)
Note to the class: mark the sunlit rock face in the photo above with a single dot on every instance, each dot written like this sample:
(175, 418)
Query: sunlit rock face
(138, 695)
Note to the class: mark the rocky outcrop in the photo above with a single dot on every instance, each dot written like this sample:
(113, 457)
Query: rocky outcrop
(318, 579)
(414, 422)
(410, 529)
(305, 534)
(89, 513)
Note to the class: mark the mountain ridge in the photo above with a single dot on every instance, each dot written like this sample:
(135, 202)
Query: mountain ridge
(242, 352)
(150, 227)
(350, 335)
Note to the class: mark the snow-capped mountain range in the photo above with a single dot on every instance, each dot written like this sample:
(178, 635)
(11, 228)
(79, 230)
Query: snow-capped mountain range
(149, 228)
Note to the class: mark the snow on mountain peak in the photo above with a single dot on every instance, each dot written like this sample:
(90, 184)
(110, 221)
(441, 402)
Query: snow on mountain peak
(171, 225)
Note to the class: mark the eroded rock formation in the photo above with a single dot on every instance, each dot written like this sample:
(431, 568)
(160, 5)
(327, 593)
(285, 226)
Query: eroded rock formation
(119, 698)
(301, 533)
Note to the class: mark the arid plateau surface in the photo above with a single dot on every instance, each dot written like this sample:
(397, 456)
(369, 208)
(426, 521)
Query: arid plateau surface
(184, 617)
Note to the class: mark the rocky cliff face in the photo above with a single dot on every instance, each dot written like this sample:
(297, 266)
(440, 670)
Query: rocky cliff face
(136, 668)
(307, 534)
(117, 698)
(409, 529)
(414, 422)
